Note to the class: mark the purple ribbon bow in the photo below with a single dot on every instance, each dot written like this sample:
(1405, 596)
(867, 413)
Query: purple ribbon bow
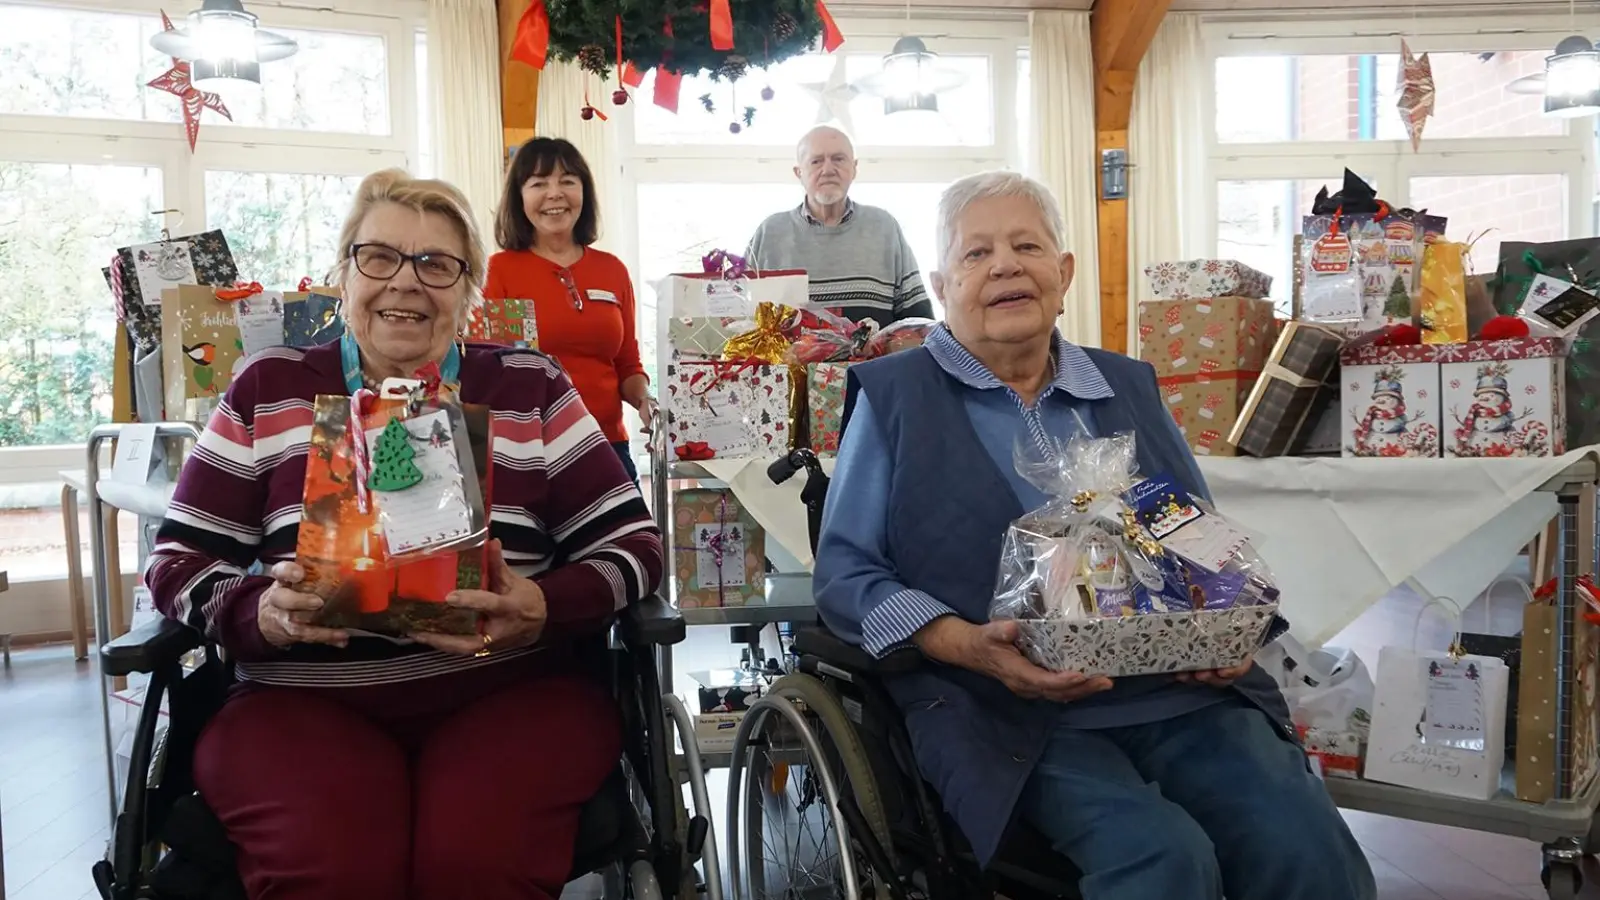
(724, 263)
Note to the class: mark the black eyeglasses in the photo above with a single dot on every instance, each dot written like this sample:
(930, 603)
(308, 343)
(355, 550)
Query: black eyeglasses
(382, 262)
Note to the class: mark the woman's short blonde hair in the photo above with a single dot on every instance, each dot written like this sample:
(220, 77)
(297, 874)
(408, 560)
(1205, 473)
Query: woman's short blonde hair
(423, 195)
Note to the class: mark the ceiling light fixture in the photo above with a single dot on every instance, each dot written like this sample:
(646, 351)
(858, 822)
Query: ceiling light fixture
(1572, 79)
(223, 45)
(911, 79)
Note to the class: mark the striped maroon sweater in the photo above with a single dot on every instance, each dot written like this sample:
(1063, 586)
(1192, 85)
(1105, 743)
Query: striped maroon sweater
(566, 514)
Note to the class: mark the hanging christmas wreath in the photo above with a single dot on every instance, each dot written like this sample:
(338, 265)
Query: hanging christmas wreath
(685, 35)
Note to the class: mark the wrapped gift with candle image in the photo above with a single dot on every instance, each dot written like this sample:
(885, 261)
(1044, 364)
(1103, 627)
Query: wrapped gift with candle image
(380, 575)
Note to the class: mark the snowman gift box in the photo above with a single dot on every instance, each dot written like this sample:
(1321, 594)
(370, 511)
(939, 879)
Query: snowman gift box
(1389, 401)
(1503, 398)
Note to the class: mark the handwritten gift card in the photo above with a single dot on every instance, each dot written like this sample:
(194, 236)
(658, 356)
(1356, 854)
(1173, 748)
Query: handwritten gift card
(1452, 715)
(261, 321)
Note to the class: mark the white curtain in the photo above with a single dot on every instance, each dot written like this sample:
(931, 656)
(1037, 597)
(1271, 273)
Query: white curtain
(1167, 185)
(464, 43)
(559, 115)
(1062, 73)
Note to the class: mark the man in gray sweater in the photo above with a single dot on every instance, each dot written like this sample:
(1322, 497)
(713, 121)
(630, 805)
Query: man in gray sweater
(859, 263)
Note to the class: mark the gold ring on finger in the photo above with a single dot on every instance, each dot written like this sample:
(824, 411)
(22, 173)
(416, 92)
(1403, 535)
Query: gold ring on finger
(488, 646)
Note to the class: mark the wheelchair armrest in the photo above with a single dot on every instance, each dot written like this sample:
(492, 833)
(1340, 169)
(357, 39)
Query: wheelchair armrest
(651, 621)
(152, 645)
(830, 649)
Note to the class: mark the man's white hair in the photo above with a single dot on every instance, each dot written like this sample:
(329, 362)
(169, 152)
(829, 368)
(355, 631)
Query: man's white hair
(805, 141)
(967, 191)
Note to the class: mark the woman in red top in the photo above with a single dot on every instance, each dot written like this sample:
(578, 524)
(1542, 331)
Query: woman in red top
(582, 297)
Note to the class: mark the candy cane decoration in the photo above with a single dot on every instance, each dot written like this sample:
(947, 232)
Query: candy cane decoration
(360, 402)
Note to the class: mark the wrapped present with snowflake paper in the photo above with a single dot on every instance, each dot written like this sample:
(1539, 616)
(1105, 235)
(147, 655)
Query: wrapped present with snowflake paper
(1123, 575)
(1389, 400)
(1504, 398)
(1198, 279)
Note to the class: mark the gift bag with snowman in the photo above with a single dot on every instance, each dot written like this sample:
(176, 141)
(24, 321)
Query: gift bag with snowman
(1438, 719)
(1504, 398)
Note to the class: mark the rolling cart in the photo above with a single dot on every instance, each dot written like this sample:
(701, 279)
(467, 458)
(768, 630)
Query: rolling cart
(1564, 826)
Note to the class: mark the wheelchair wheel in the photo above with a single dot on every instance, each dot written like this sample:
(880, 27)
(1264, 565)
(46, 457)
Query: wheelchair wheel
(699, 832)
(805, 819)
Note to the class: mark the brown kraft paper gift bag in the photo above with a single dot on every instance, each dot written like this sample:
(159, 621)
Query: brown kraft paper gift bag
(1536, 705)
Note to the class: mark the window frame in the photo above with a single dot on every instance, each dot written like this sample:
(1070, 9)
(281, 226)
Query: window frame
(999, 37)
(93, 141)
(1392, 163)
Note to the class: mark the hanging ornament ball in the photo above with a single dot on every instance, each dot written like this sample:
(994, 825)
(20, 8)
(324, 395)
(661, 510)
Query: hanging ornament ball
(733, 68)
(735, 127)
(767, 93)
(619, 97)
(784, 26)
(587, 113)
(592, 58)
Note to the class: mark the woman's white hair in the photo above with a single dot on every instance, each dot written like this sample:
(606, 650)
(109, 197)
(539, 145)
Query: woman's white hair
(969, 190)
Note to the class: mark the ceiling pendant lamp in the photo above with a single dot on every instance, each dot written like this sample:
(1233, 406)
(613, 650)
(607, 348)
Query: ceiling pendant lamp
(1572, 79)
(911, 79)
(223, 45)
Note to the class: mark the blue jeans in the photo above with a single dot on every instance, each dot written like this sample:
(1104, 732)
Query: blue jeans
(1210, 804)
(624, 454)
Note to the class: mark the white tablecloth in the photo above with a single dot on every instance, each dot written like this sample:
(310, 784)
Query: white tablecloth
(1337, 533)
(1341, 533)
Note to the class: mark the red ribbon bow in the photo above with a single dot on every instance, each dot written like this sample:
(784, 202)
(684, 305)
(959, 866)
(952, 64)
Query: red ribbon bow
(695, 451)
(239, 291)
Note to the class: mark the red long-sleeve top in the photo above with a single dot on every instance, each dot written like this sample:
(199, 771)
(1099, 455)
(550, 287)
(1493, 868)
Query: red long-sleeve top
(596, 340)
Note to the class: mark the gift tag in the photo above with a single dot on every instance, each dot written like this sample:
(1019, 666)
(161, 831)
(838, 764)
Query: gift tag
(1171, 517)
(723, 426)
(416, 476)
(727, 298)
(719, 555)
(1559, 305)
(160, 266)
(1452, 715)
(1331, 253)
(261, 322)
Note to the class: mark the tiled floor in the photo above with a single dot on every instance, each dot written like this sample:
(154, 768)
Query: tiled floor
(53, 801)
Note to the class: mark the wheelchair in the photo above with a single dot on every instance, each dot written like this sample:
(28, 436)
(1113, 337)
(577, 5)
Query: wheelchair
(824, 797)
(636, 832)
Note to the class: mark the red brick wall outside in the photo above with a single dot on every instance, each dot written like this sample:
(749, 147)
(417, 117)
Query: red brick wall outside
(1471, 102)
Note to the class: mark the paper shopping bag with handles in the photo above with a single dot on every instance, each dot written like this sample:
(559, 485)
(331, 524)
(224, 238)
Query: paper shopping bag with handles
(1536, 705)
(1438, 722)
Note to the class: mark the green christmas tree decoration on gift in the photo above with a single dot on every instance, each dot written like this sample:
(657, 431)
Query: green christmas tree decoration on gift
(1398, 304)
(393, 465)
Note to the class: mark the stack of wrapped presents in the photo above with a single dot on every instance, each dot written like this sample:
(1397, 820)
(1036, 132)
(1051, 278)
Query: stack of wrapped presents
(1392, 346)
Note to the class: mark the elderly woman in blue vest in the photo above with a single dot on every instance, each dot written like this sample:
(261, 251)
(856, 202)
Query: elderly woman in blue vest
(1171, 787)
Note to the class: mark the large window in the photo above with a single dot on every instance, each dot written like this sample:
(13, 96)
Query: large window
(91, 159)
(696, 185)
(1297, 103)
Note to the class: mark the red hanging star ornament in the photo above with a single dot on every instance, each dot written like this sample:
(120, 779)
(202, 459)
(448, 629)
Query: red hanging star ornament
(176, 81)
(1416, 93)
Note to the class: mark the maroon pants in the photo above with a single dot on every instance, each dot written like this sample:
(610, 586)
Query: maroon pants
(327, 795)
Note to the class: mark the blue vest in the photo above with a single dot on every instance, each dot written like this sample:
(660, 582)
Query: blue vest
(949, 507)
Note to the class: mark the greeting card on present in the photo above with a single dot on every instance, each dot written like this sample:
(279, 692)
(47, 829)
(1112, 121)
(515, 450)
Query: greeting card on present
(509, 323)
(209, 261)
(344, 544)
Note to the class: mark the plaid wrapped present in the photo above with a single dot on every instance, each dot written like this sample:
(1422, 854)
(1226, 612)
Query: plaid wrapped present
(1281, 400)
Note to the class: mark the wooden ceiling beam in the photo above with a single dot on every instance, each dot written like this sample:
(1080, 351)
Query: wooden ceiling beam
(1120, 33)
(519, 82)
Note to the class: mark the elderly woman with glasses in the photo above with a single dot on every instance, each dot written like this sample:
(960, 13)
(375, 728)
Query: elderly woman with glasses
(1181, 788)
(582, 297)
(435, 767)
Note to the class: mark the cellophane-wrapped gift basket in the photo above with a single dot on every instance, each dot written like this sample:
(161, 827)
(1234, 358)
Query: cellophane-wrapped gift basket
(1121, 575)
